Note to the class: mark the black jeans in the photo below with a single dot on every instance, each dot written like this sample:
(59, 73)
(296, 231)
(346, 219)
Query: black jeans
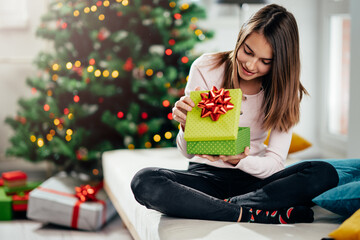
(199, 192)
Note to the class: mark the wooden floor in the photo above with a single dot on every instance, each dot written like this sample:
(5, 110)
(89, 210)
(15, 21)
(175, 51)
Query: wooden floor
(24, 229)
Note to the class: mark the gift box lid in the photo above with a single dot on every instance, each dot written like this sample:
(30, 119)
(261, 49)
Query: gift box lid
(14, 175)
(205, 129)
(1, 182)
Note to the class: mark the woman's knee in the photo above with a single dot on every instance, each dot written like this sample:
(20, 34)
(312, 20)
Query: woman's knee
(324, 174)
(141, 182)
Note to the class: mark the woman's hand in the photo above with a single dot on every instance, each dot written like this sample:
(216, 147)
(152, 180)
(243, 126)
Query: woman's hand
(232, 159)
(179, 111)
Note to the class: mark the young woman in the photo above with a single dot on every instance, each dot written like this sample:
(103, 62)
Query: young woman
(255, 184)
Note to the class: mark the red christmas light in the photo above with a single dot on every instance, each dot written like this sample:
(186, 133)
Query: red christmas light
(76, 98)
(46, 107)
(66, 111)
(64, 25)
(184, 59)
(99, 3)
(166, 103)
(168, 51)
(177, 16)
(142, 128)
(33, 90)
(169, 116)
(120, 114)
(92, 61)
(172, 42)
(144, 115)
(128, 66)
(101, 99)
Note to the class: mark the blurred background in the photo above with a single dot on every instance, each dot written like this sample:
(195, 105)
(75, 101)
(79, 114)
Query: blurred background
(329, 34)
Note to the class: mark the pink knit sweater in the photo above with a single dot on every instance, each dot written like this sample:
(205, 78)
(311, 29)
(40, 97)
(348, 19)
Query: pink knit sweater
(263, 161)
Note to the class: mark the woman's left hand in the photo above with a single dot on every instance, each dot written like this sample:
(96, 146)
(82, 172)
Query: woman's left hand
(232, 159)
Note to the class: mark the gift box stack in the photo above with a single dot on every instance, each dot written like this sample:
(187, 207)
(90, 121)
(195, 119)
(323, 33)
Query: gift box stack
(212, 125)
(14, 194)
(70, 202)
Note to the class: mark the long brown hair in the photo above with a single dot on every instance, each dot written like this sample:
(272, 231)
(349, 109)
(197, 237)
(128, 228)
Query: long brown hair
(283, 90)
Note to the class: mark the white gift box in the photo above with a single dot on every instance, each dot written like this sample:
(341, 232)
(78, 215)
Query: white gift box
(54, 202)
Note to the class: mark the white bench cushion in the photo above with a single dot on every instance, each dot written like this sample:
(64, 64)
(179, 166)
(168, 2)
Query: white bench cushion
(121, 165)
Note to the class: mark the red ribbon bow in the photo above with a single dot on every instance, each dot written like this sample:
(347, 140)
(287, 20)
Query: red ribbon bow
(86, 193)
(215, 103)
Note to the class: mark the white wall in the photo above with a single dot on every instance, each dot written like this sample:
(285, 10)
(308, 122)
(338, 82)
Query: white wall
(18, 48)
(353, 150)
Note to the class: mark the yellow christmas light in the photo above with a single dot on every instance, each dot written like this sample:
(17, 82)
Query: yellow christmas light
(168, 135)
(55, 67)
(68, 138)
(148, 144)
(69, 65)
(157, 138)
(93, 8)
(115, 74)
(32, 138)
(125, 2)
(55, 77)
(86, 10)
(56, 122)
(69, 132)
(167, 85)
(172, 4)
(52, 132)
(97, 73)
(60, 127)
(131, 146)
(106, 73)
(77, 63)
(49, 137)
(76, 13)
(184, 6)
(95, 171)
(194, 19)
(149, 72)
(40, 142)
(59, 4)
(70, 116)
(187, 77)
(106, 3)
(198, 32)
(179, 126)
(49, 93)
(118, 1)
(90, 68)
(101, 17)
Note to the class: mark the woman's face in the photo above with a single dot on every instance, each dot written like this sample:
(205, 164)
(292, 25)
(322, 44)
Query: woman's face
(254, 58)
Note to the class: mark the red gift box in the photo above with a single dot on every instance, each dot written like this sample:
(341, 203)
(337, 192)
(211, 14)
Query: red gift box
(14, 179)
(20, 203)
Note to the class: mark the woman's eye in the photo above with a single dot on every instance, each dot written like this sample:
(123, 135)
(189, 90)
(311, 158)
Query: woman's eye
(266, 62)
(246, 52)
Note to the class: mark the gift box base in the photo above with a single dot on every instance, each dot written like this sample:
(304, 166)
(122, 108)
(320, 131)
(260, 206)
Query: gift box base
(5, 206)
(221, 147)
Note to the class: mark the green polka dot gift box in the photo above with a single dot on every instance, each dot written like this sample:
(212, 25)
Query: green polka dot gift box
(209, 132)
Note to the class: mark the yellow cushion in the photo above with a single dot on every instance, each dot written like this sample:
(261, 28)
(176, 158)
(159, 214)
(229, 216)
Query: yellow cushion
(349, 230)
(298, 143)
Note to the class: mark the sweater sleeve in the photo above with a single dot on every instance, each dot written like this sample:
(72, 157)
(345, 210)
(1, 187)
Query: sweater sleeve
(274, 158)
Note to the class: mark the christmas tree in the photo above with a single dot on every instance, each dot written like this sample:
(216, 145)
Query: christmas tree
(110, 81)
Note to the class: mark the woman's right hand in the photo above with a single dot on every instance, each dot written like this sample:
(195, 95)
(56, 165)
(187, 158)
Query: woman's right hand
(182, 106)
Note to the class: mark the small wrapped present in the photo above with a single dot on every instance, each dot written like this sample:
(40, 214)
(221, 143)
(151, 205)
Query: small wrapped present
(212, 125)
(222, 147)
(69, 202)
(5, 206)
(20, 202)
(20, 189)
(14, 179)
